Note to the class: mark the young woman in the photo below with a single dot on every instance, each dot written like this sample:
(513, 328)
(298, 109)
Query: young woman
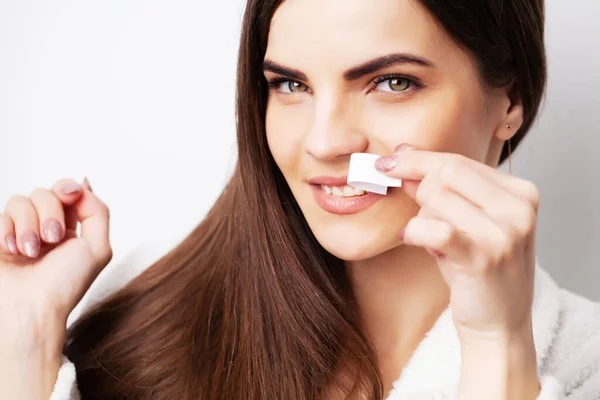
(297, 286)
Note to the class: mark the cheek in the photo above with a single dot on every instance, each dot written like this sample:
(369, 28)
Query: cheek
(284, 137)
(447, 120)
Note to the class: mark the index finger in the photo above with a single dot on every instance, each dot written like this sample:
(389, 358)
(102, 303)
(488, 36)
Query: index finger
(413, 164)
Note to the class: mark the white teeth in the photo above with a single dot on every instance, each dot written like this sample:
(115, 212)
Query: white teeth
(348, 191)
(336, 191)
(344, 191)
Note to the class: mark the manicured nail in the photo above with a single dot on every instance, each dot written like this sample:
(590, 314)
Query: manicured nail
(402, 233)
(52, 231)
(385, 164)
(31, 244)
(404, 147)
(86, 183)
(70, 188)
(11, 243)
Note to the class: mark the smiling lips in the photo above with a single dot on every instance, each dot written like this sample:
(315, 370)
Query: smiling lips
(336, 197)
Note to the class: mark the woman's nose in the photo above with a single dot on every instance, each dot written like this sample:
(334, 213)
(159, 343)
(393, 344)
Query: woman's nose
(335, 131)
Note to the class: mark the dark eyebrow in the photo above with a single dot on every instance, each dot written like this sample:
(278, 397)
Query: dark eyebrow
(386, 61)
(354, 73)
(269, 65)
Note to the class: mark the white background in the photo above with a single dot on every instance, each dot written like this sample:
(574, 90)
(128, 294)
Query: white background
(139, 96)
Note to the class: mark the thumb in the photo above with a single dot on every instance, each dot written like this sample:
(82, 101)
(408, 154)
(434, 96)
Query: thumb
(410, 187)
(80, 260)
(94, 217)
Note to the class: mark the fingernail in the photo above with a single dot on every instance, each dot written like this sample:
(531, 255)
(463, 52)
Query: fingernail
(70, 188)
(11, 243)
(52, 231)
(385, 164)
(402, 233)
(31, 244)
(404, 147)
(86, 183)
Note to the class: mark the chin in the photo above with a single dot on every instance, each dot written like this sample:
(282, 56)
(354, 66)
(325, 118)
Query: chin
(356, 242)
(362, 235)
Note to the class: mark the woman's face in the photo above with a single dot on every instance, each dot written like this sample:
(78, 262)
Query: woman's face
(354, 76)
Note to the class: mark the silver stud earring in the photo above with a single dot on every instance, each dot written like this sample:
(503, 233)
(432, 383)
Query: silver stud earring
(508, 126)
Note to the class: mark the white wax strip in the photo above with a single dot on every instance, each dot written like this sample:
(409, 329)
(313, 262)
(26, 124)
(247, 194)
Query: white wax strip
(363, 175)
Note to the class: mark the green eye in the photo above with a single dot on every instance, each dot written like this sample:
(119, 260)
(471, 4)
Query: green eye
(288, 86)
(395, 84)
(296, 87)
(398, 84)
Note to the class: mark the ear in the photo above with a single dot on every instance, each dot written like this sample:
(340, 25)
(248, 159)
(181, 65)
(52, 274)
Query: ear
(512, 113)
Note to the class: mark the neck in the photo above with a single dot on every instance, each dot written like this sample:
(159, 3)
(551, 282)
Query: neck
(400, 294)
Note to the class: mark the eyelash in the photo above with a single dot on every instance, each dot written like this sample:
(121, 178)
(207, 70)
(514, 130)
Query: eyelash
(413, 82)
(275, 82)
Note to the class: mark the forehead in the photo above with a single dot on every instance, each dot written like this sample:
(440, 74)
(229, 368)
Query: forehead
(347, 32)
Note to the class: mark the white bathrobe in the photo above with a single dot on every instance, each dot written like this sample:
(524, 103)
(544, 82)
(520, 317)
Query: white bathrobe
(566, 330)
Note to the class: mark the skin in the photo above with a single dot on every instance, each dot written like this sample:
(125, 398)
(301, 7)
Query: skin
(453, 202)
(34, 299)
(459, 232)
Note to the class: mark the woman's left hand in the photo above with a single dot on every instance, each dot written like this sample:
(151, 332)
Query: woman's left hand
(480, 224)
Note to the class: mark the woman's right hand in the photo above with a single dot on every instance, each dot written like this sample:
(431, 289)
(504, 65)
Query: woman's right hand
(45, 269)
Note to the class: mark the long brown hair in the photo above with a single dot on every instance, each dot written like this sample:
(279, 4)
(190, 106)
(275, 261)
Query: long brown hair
(249, 305)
